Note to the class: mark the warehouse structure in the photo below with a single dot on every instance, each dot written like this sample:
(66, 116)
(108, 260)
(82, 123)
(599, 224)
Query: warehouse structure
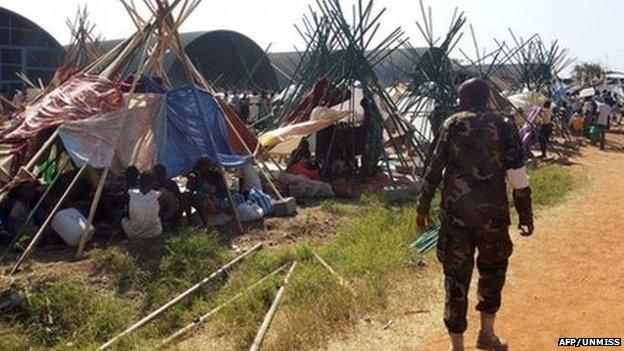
(227, 59)
(25, 47)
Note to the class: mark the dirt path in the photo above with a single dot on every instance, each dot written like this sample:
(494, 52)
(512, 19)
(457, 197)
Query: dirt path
(566, 281)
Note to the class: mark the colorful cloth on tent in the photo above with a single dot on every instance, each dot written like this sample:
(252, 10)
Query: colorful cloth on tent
(528, 135)
(322, 94)
(118, 139)
(195, 126)
(80, 98)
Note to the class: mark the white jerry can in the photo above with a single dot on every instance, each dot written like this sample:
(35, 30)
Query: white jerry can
(70, 224)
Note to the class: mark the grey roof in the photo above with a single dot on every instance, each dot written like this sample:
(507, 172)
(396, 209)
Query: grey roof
(395, 67)
(226, 59)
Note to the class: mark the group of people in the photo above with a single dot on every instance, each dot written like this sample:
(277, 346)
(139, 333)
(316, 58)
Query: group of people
(141, 204)
(153, 202)
(589, 117)
(251, 107)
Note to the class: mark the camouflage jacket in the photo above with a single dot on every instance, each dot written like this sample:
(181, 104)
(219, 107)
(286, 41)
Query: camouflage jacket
(471, 157)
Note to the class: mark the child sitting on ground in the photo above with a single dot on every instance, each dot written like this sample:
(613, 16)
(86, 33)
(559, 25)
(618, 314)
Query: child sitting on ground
(143, 219)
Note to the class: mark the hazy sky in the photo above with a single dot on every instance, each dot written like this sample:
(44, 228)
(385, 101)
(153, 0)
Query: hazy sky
(591, 29)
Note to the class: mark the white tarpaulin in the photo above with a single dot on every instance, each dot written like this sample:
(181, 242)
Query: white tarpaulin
(284, 140)
(117, 139)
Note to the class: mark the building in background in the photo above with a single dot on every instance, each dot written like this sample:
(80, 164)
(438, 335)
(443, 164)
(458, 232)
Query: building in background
(25, 47)
(226, 59)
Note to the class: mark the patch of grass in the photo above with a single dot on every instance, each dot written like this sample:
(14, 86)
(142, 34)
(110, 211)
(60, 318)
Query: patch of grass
(550, 184)
(340, 208)
(70, 315)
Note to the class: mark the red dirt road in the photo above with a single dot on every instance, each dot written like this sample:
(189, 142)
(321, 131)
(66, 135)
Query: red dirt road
(568, 279)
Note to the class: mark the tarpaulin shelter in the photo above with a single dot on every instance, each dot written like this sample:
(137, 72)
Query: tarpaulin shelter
(105, 125)
(195, 126)
(173, 129)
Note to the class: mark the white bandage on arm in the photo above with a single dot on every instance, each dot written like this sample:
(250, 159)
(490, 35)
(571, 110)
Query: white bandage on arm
(518, 178)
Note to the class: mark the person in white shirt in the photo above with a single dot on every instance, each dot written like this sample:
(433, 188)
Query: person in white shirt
(143, 219)
(604, 110)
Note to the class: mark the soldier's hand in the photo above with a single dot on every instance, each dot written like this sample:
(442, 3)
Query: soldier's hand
(526, 229)
(423, 220)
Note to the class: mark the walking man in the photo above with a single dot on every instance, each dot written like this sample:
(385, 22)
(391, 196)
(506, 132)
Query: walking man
(475, 151)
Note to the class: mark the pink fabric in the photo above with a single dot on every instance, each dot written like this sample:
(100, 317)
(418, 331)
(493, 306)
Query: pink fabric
(79, 98)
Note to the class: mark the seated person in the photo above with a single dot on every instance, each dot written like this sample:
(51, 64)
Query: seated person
(115, 195)
(143, 219)
(170, 197)
(207, 189)
(302, 163)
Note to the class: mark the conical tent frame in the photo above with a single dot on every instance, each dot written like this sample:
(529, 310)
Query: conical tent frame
(154, 38)
(343, 52)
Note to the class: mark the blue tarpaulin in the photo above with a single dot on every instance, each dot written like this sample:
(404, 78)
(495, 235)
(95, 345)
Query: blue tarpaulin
(195, 126)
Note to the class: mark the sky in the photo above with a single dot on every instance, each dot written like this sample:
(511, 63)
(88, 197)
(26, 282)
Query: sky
(590, 29)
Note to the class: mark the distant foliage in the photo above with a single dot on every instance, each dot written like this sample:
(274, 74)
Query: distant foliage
(588, 73)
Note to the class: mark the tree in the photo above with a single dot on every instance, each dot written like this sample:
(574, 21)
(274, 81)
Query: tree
(588, 73)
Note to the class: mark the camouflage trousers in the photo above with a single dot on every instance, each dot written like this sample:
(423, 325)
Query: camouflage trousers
(456, 251)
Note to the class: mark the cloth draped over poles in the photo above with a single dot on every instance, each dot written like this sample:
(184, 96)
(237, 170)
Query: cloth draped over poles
(173, 129)
(241, 139)
(195, 126)
(284, 140)
(117, 139)
(80, 98)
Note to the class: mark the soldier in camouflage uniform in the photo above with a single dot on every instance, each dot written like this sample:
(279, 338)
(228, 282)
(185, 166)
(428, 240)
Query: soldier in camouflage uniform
(476, 150)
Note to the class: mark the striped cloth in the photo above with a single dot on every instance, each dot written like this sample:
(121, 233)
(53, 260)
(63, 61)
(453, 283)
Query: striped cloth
(263, 200)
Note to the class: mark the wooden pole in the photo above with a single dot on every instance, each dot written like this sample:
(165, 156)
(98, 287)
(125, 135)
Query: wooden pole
(203, 318)
(42, 150)
(64, 163)
(342, 281)
(255, 346)
(92, 211)
(177, 299)
(45, 224)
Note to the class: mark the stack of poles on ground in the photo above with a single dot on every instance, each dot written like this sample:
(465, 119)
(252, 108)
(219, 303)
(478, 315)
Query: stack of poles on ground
(199, 321)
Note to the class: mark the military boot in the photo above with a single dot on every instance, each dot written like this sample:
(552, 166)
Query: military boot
(487, 339)
(491, 342)
(456, 342)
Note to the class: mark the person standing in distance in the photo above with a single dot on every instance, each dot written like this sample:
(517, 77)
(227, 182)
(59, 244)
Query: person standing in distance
(476, 150)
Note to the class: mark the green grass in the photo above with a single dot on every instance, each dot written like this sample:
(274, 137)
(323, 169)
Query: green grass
(550, 184)
(371, 251)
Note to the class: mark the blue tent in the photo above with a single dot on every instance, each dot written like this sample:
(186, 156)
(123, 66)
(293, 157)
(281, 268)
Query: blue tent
(194, 126)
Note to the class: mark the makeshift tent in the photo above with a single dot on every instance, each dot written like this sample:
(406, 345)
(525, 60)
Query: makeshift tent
(337, 71)
(183, 121)
(195, 126)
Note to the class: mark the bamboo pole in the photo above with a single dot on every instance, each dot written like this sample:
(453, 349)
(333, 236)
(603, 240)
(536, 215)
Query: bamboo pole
(92, 210)
(341, 280)
(264, 327)
(200, 320)
(36, 207)
(45, 224)
(177, 299)
(42, 150)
